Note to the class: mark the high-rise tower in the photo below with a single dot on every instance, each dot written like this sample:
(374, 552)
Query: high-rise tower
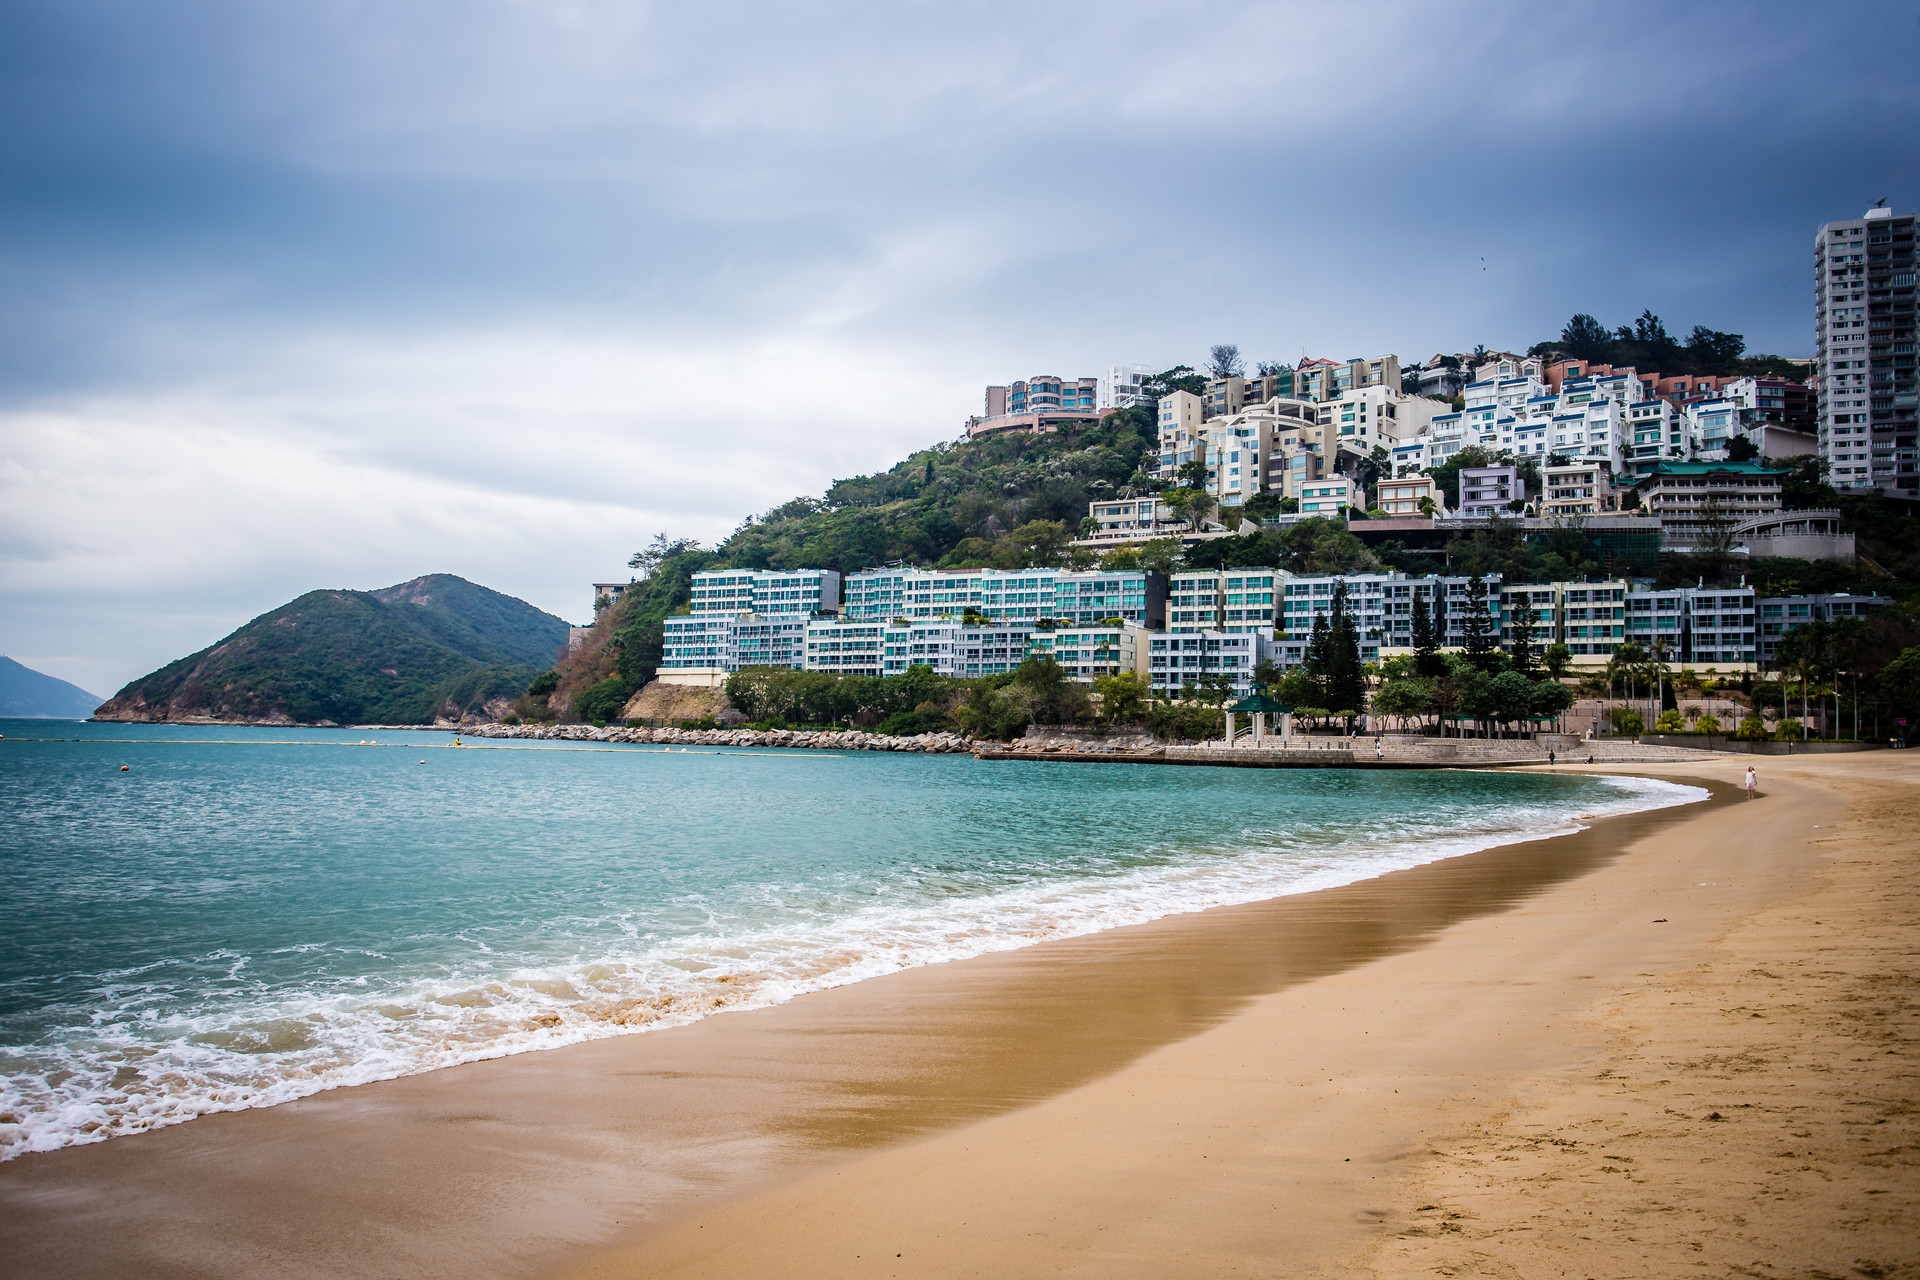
(1864, 352)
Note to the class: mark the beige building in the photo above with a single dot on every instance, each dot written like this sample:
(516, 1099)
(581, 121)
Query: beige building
(1405, 496)
(1180, 418)
(1578, 489)
(1132, 519)
(1328, 379)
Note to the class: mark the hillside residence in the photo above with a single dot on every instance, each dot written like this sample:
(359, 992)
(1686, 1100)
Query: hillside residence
(1329, 497)
(1687, 497)
(1782, 614)
(1012, 596)
(1085, 653)
(1316, 379)
(1180, 441)
(1174, 661)
(1123, 386)
(874, 648)
(704, 649)
(1864, 296)
(1486, 491)
(1230, 395)
(1410, 496)
(605, 593)
(1132, 519)
(1382, 607)
(1233, 601)
(1044, 403)
(772, 592)
(1578, 489)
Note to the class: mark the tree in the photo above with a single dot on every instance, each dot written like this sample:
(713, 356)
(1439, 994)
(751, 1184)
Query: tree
(1556, 659)
(1714, 352)
(1716, 535)
(1586, 338)
(1477, 629)
(1122, 697)
(1158, 555)
(1742, 449)
(1346, 680)
(1037, 542)
(1403, 699)
(1523, 630)
(1179, 378)
(1268, 368)
(1223, 361)
(1426, 643)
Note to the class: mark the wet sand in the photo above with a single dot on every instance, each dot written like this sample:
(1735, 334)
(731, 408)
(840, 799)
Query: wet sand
(1164, 1098)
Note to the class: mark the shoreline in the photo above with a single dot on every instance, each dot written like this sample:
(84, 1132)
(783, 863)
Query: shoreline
(1698, 1058)
(785, 1082)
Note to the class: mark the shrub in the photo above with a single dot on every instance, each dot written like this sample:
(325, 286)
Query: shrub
(543, 684)
(1670, 722)
(603, 701)
(1752, 729)
(1627, 720)
(905, 724)
(1707, 724)
(1789, 731)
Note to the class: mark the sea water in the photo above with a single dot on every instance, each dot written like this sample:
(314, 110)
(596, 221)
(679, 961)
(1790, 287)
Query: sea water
(242, 917)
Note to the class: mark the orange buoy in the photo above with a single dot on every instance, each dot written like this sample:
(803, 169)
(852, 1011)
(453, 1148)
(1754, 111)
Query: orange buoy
(126, 768)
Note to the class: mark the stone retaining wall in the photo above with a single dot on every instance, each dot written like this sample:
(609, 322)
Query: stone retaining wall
(937, 743)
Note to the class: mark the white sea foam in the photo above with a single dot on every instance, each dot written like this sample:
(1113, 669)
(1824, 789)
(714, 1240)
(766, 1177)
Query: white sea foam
(128, 1074)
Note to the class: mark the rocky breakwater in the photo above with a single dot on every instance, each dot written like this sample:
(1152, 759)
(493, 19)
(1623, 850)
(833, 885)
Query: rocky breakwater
(853, 740)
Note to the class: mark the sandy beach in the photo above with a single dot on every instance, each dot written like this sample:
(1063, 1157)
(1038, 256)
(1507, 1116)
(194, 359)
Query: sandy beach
(1680, 1042)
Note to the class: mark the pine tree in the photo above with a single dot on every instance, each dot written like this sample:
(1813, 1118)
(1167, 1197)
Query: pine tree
(1523, 632)
(1346, 681)
(1316, 660)
(1426, 639)
(1477, 628)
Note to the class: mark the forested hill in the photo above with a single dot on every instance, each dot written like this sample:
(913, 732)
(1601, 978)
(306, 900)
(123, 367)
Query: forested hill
(437, 645)
(1006, 501)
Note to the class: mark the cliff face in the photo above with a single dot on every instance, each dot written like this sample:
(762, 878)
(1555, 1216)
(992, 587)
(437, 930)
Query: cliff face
(433, 648)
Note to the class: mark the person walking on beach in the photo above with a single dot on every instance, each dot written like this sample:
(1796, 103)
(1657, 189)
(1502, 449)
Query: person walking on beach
(1753, 783)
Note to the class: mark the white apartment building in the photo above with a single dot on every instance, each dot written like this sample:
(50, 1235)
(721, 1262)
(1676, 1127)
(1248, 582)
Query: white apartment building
(1864, 337)
(1124, 385)
(1575, 489)
(1268, 447)
(705, 648)
(1004, 595)
(1657, 433)
(1231, 601)
(1382, 608)
(1133, 519)
(887, 648)
(766, 591)
(1331, 497)
(1485, 492)
(1177, 660)
(1366, 417)
(1085, 653)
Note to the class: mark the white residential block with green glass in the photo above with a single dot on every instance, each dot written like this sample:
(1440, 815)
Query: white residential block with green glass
(1236, 601)
(1007, 595)
(1177, 660)
(867, 647)
(1086, 652)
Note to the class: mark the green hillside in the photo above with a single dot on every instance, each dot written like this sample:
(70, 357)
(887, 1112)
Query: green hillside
(394, 656)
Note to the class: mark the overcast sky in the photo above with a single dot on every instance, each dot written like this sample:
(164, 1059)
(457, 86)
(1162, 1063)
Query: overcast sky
(334, 293)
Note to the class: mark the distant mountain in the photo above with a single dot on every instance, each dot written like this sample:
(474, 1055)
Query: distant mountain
(408, 654)
(29, 695)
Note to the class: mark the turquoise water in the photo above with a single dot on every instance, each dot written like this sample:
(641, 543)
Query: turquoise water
(248, 916)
